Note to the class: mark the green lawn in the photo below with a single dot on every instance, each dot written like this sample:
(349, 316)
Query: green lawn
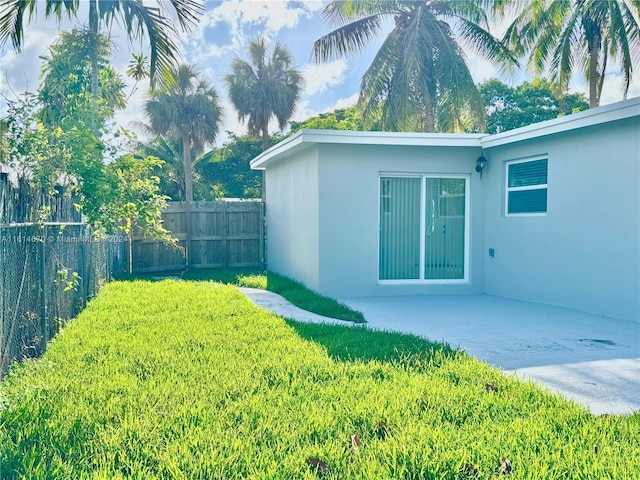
(293, 291)
(188, 380)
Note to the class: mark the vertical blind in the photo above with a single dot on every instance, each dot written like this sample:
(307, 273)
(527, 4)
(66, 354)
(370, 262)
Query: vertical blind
(422, 228)
(400, 228)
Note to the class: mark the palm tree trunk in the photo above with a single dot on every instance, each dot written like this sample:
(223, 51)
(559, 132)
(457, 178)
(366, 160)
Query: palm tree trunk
(429, 116)
(594, 45)
(188, 174)
(188, 196)
(94, 29)
(265, 138)
(604, 71)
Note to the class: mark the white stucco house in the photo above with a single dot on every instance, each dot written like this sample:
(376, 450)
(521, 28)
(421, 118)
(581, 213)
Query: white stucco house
(553, 217)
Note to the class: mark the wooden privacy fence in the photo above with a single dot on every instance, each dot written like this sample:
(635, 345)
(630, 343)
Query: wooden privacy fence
(210, 234)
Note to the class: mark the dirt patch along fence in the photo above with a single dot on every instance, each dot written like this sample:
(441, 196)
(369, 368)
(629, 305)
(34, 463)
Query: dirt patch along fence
(210, 234)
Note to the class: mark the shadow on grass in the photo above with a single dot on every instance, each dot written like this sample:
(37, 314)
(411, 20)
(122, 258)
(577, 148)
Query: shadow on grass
(344, 343)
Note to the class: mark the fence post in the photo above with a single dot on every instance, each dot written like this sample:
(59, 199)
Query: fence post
(225, 233)
(187, 227)
(43, 293)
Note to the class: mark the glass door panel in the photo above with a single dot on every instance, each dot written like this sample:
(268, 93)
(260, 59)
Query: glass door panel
(400, 228)
(444, 228)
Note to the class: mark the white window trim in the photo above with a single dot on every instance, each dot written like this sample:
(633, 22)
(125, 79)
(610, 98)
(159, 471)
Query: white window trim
(423, 192)
(508, 189)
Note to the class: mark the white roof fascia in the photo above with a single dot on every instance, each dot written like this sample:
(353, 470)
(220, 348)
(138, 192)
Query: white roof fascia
(607, 113)
(305, 138)
(285, 147)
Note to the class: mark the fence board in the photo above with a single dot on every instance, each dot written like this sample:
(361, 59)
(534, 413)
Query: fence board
(23, 203)
(223, 234)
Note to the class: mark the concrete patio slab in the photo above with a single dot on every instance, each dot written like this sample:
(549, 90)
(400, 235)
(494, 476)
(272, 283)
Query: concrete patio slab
(590, 359)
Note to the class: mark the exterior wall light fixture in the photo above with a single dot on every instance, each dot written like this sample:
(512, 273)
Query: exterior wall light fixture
(481, 162)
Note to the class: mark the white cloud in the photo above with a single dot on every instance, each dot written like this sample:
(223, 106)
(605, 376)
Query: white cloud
(272, 16)
(612, 89)
(20, 71)
(319, 77)
(481, 69)
(344, 102)
(243, 18)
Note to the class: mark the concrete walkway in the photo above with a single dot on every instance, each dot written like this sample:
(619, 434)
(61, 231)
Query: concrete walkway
(591, 359)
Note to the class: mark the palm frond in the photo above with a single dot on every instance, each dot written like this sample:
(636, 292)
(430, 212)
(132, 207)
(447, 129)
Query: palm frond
(140, 20)
(340, 12)
(188, 12)
(486, 45)
(346, 40)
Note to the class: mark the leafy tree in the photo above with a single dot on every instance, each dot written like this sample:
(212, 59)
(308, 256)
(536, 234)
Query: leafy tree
(66, 74)
(226, 169)
(186, 109)
(67, 150)
(341, 119)
(140, 20)
(127, 198)
(419, 79)
(4, 131)
(264, 87)
(562, 36)
(512, 107)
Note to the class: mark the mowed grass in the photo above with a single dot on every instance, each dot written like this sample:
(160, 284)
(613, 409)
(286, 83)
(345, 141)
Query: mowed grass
(188, 380)
(295, 292)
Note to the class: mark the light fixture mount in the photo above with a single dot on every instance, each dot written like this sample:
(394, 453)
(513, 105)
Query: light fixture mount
(481, 162)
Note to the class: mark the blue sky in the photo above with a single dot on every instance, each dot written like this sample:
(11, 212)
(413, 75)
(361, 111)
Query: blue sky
(224, 30)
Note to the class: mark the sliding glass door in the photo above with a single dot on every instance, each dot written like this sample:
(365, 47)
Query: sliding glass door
(423, 228)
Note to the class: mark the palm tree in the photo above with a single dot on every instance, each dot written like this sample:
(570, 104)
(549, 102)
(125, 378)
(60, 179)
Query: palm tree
(138, 69)
(170, 173)
(187, 109)
(137, 18)
(262, 88)
(419, 79)
(563, 36)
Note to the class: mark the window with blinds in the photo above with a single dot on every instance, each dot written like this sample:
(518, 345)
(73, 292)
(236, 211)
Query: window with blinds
(423, 228)
(527, 187)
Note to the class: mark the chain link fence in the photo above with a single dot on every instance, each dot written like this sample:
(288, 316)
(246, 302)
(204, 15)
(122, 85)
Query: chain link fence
(48, 272)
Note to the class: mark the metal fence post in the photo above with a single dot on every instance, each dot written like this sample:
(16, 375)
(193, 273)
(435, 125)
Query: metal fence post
(43, 293)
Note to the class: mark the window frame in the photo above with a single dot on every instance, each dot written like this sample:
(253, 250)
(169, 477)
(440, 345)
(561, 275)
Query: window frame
(541, 186)
(466, 280)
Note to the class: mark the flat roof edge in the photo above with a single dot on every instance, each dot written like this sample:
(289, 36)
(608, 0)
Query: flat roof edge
(307, 137)
(595, 116)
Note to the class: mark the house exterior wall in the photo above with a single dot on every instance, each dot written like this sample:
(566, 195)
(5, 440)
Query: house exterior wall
(585, 252)
(349, 214)
(292, 217)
